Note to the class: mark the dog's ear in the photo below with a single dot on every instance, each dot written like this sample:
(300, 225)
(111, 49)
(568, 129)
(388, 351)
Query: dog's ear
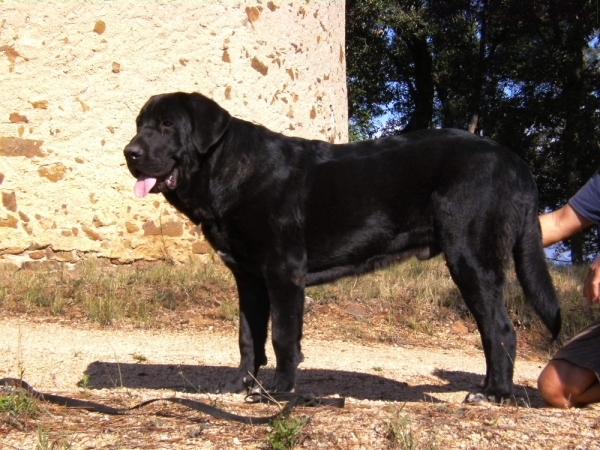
(209, 121)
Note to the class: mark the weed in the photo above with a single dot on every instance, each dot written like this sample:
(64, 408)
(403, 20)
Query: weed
(156, 422)
(286, 433)
(37, 297)
(120, 373)
(45, 443)
(399, 430)
(443, 408)
(413, 323)
(401, 435)
(229, 310)
(18, 407)
(57, 305)
(353, 331)
(84, 383)
(102, 309)
(139, 358)
(166, 255)
(167, 299)
(195, 388)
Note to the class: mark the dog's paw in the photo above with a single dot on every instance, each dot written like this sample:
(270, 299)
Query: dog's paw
(280, 384)
(231, 388)
(479, 398)
(482, 397)
(234, 386)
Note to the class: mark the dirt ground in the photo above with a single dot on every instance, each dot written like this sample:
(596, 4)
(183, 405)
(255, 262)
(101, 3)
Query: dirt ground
(415, 388)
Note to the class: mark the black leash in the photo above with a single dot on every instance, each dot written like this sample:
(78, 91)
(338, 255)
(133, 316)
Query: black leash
(292, 399)
(306, 400)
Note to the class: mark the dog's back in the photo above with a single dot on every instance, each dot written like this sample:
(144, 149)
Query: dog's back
(384, 199)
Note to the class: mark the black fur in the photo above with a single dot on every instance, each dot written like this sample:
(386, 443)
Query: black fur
(285, 213)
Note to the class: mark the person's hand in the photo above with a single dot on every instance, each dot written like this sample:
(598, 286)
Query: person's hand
(591, 285)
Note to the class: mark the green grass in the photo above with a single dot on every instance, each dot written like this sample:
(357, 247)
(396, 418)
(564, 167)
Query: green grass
(17, 408)
(286, 433)
(45, 442)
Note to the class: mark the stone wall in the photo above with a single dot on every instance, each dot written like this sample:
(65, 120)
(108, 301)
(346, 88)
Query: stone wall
(75, 74)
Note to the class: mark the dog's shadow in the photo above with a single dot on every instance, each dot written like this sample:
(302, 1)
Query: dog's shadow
(321, 382)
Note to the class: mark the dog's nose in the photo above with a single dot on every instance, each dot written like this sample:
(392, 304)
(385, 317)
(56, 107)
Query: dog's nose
(133, 152)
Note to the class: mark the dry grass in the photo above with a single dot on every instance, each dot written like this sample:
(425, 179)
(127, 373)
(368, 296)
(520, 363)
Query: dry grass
(417, 295)
(138, 294)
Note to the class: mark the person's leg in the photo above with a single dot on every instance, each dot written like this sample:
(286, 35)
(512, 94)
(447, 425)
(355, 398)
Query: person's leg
(563, 384)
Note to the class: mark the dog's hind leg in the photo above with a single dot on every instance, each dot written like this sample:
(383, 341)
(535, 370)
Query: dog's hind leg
(477, 240)
(253, 329)
(481, 289)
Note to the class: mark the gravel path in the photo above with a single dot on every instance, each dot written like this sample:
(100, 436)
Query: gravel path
(377, 380)
(56, 356)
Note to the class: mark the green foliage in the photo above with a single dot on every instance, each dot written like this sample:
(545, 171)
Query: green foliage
(18, 407)
(84, 383)
(139, 358)
(526, 74)
(286, 433)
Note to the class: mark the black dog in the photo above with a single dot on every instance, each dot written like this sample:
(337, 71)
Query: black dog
(285, 213)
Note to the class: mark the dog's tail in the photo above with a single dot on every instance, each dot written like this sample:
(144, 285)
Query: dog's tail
(532, 272)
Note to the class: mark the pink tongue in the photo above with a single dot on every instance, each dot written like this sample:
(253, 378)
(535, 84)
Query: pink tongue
(143, 186)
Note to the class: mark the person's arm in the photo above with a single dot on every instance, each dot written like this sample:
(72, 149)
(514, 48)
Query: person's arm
(561, 224)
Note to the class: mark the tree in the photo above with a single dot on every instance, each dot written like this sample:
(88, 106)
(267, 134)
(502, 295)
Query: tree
(523, 73)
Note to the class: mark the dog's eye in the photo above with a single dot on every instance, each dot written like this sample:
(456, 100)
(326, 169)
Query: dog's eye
(166, 123)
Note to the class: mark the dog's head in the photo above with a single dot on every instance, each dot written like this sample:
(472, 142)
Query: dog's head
(173, 130)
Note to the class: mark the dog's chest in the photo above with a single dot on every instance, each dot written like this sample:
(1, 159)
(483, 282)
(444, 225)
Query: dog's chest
(235, 253)
(216, 237)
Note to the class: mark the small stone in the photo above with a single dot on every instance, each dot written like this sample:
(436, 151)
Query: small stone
(356, 310)
(459, 328)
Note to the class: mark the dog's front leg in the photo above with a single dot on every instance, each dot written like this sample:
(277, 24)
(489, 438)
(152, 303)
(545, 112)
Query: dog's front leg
(286, 293)
(254, 320)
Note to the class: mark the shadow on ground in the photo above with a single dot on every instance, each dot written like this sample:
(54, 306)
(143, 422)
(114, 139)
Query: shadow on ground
(362, 386)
